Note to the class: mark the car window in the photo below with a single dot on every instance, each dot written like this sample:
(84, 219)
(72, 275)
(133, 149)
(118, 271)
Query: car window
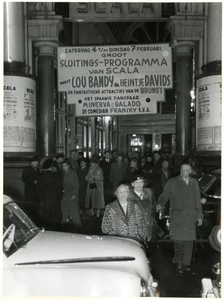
(18, 229)
(206, 181)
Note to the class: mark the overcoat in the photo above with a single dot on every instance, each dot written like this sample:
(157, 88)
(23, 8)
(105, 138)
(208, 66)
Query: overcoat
(70, 206)
(31, 205)
(148, 207)
(118, 174)
(185, 207)
(82, 186)
(116, 222)
(49, 190)
(95, 197)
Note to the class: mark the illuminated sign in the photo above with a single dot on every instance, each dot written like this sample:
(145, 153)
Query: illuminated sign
(115, 80)
(113, 11)
(209, 113)
(19, 114)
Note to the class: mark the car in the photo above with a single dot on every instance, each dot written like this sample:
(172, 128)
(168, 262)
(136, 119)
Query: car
(211, 287)
(40, 263)
(210, 187)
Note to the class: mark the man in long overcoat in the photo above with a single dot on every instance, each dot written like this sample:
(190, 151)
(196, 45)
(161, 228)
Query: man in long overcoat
(185, 213)
(49, 190)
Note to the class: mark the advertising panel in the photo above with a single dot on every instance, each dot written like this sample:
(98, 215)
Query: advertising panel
(209, 113)
(19, 114)
(115, 80)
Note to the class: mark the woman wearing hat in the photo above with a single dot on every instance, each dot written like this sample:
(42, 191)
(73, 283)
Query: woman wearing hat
(146, 200)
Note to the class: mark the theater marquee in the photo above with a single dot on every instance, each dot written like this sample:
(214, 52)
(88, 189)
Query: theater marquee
(115, 80)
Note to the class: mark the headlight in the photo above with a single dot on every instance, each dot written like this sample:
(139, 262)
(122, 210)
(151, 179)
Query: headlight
(203, 200)
(149, 291)
(144, 292)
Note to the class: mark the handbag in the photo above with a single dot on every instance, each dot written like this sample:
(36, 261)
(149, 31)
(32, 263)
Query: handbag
(157, 232)
(92, 186)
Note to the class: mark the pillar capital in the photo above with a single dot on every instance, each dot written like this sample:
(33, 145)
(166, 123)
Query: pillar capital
(183, 48)
(46, 48)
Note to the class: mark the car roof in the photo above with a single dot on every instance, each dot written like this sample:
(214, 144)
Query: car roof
(218, 171)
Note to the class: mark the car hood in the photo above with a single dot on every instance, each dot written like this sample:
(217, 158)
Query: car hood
(65, 248)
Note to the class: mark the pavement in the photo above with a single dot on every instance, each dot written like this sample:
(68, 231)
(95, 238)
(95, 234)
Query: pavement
(171, 283)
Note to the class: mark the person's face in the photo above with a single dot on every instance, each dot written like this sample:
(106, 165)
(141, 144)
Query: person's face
(149, 159)
(65, 167)
(138, 185)
(119, 159)
(156, 156)
(107, 155)
(34, 164)
(185, 171)
(133, 164)
(165, 165)
(74, 155)
(130, 154)
(83, 164)
(114, 154)
(60, 160)
(122, 194)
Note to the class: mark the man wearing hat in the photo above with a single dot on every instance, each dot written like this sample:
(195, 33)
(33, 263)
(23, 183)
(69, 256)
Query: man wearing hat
(49, 189)
(29, 177)
(146, 200)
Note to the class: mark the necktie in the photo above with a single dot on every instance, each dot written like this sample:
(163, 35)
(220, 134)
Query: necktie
(186, 180)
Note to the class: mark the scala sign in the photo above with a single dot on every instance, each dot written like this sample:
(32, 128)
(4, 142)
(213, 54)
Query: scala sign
(114, 11)
(115, 80)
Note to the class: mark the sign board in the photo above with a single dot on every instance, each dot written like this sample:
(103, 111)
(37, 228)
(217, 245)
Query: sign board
(115, 80)
(114, 11)
(19, 114)
(209, 113)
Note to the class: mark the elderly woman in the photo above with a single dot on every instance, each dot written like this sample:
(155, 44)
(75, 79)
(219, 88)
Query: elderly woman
(95, 192)
(123, 217)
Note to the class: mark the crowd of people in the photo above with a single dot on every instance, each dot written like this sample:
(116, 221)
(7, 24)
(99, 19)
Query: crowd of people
(125, 191)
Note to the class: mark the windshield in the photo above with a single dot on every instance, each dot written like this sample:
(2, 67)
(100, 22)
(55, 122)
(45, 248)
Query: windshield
(18, 229)
(206, 181)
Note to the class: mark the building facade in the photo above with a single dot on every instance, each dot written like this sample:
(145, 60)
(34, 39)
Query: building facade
(37, 117)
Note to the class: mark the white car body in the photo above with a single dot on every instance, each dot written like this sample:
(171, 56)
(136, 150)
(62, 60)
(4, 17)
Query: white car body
(71, 265)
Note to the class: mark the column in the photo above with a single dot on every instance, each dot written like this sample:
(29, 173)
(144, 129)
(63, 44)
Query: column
(184, 71)
(93, 135)
(214, 31)
(46, 84)
(106, 128)
(14, 50)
